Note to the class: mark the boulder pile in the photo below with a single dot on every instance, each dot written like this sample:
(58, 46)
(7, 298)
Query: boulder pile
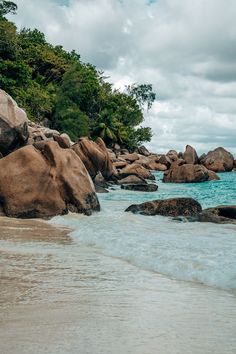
(43, 173)
(42, 184)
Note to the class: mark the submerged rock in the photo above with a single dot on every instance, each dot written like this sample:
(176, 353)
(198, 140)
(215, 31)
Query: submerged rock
(36, 184)
(100, 189)
(168, 207)
(222, 214)
(148, 187)
(188, 173)
(13, 124)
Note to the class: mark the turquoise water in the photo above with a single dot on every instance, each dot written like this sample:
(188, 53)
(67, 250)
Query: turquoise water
(208, 194)
(198, 252)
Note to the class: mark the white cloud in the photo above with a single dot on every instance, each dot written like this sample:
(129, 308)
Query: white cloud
(186, 49)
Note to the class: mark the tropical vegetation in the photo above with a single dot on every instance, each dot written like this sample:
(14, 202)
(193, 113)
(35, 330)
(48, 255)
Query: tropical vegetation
(58, 90)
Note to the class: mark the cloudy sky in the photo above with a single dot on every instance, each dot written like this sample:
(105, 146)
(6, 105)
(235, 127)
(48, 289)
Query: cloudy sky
(185, 48)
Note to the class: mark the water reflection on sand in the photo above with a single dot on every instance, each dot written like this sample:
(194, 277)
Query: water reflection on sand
(60, 297)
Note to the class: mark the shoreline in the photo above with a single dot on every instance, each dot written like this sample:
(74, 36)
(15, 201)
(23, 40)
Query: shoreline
(71, 298)
(14, 284)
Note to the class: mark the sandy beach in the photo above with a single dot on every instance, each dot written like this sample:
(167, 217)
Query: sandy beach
(60, 297)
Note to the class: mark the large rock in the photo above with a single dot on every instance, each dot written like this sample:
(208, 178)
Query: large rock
(13, 124)
(173, 155)
(218, 160)
(94, 156)
(142, 150)
(190, 155)
(169, 207)
(130, 157)
(155, 166)
(120, 164)
(63, 140)
(132, 179)
(135, 169)
(188, 173)
(165, 160)
(222, 214)
(36, 184)
(151, 162)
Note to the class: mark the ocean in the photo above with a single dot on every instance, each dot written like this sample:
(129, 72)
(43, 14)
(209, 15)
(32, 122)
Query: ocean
(189, 251)
(121, 283)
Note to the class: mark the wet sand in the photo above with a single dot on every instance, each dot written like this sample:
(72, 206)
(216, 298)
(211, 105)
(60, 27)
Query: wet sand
(57, 296)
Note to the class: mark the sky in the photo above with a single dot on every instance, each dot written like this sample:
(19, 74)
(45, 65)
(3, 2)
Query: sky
(185, 48)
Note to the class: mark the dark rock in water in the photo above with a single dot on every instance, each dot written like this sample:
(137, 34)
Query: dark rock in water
(100, 189)
(132, 179)
(168, 207)
(101, 184)
(190, 155)
(141, 187)
(218, 160)
(222, 214)
(188, 173)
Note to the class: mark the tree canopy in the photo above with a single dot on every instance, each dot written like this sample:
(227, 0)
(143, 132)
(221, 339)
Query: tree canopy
(57, 89)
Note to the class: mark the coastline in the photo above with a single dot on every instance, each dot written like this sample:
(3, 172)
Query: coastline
(63, 297)
(22, 231)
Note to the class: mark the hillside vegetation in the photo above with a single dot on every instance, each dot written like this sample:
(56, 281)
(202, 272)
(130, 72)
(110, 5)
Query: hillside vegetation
(57, 89)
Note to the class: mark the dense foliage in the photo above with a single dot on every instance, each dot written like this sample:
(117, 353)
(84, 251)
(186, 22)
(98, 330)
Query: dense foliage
(56, 88)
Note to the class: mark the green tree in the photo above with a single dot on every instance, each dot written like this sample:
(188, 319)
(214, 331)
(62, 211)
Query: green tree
(7, 7)
(54, 86)
(143, 94)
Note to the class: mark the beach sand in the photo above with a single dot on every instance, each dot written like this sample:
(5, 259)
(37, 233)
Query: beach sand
(60, 297)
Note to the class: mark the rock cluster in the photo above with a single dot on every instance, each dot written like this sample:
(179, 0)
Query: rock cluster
(43, 173)
(188, 173)
(35, 184)
(184, 167)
